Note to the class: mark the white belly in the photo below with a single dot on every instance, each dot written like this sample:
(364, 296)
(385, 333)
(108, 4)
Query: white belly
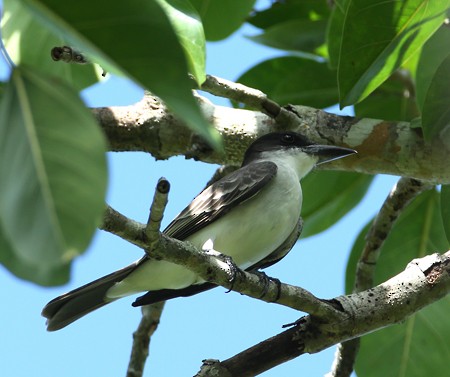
(248, 234)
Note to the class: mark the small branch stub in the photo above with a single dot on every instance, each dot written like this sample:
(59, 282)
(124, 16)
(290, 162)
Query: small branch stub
(157, 213)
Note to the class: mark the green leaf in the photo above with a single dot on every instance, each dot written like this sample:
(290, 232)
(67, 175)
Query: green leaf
(294, 80)
(188, 26)
(393, 100)
(295, 35)
(418, 231)
(436, 107)
(334, 32)
(29, 42)
(44, 274)
(288, 10)
(138, 39)
(221, 18)
(431, 57)
(329, 195)
(416, 348)
(52, 176)
(377, 37)
(445, 209)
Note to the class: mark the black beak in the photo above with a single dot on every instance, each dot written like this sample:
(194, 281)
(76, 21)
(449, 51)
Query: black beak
(328, 153)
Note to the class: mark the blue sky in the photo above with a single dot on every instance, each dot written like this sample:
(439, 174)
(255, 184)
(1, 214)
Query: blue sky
(210, 325)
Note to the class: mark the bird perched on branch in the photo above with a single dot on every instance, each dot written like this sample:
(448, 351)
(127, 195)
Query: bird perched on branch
(250, 215)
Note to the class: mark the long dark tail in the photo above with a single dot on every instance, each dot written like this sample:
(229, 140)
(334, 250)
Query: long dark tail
(69, 307)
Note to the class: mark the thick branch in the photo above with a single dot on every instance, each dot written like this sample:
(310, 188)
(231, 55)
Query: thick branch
(423, 282)
(383, 147)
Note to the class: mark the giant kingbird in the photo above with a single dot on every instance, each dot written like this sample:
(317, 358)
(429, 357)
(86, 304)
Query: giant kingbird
(250, 215)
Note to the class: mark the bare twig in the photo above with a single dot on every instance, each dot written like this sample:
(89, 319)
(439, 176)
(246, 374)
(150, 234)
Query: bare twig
(151, 315)
(344, 358)
(157, 213)
(398, 199)
(252, 98)
(116, 223)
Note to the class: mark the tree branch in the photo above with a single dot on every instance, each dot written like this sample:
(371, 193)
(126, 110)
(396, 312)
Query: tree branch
(151, 314)
(383, 146)
(330, 322)
(157, 213)
(427, 279)
(213, 269)
(398, 199)
(253, 98)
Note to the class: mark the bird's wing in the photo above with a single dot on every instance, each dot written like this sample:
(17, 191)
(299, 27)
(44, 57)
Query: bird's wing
(219, 198)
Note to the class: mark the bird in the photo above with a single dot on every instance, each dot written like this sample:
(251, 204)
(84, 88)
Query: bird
(250, 215)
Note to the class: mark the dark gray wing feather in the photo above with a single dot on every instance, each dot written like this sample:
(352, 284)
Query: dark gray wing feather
(219, 198)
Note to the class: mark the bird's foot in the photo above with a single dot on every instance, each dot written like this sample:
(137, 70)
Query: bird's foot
(231, 268)
(265, 280)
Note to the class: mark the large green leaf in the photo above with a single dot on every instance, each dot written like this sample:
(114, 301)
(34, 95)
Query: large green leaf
(418, 231)
(137, 38)
(221, 18)
(329, 195)
(377, 37)
(52, 176)
(445, 209)
(334, 32)
(431, 57)
(288, 10)
(28, 41)
(295, 35)
(188, 26)
(393, 100)
(44, 274)
(436, 107)
(294, 80)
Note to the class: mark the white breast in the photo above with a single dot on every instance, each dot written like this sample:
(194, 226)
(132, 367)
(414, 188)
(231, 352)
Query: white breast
(254, 229)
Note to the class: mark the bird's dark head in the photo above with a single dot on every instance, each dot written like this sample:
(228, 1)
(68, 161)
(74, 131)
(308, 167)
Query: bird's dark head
(293, 143)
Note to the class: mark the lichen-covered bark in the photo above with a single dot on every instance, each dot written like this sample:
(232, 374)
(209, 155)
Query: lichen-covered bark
(383, 147)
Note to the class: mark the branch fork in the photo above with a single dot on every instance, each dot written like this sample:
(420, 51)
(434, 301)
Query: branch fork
(329, 321)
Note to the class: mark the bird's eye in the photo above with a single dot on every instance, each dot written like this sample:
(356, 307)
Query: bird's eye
(287, 139)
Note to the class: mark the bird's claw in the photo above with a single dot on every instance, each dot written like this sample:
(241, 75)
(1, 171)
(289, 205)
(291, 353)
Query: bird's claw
(265, 279)
(232, 269)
